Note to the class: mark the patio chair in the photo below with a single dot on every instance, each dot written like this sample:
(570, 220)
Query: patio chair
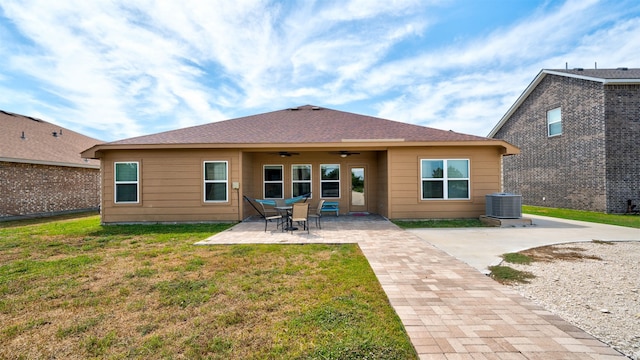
(271, 214)
(300, 214)
(317, 214)
(268, 214)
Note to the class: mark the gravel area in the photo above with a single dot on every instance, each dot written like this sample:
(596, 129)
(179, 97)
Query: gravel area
(602, 297)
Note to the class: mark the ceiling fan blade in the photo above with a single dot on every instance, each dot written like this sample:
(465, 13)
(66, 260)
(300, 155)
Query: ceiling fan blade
(284, 153)
(344, 153)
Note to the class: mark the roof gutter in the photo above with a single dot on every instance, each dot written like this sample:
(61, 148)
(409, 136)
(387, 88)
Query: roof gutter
(593, 78)
(97, 151)
(50, 163)
(518, 102)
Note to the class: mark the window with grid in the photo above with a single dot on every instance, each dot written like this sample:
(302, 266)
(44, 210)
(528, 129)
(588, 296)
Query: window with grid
(444, 179)
(216, 185)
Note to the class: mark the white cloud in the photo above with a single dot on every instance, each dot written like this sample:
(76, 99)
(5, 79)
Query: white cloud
(126, 67)
(491, 72)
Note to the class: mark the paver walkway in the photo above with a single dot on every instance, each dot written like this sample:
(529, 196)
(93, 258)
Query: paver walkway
(448, 308)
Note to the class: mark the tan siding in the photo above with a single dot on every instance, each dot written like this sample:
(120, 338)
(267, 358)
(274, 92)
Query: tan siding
(247, 185)
(171, 187)
(382, 204)
(191, 195)
(405, 182)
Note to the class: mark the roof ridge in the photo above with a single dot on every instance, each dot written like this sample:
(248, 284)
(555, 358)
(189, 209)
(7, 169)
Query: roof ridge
(298, 125)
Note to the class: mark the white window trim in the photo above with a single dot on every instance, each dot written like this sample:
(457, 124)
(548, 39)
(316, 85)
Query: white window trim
(445, 179)
(226, 181)
(331, 181)
(293, 181)
(265, 182)
(116, 182)
(555, 122)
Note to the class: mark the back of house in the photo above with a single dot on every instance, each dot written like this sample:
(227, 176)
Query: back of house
(357, 163)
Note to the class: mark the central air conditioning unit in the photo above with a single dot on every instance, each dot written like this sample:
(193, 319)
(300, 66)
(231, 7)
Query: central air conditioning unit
(504, 206)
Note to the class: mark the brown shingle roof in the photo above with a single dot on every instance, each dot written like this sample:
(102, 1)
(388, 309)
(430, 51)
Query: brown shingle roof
(39, 145)
(305, 124)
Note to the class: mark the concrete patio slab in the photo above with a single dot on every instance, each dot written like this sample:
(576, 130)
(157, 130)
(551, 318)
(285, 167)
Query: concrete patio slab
(482, 247)
(449, 309)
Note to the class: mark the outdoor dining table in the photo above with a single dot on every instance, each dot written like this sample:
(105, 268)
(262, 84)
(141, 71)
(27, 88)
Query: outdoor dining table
(286, 209)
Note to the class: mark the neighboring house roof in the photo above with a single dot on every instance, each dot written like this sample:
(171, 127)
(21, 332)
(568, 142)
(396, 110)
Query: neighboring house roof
(619, 76)
(305, 126)
(26, 139)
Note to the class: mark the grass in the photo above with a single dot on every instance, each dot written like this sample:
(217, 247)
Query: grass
(508, 275)
(589, 216)
(517, 258)
(439, 223)
(146, 291)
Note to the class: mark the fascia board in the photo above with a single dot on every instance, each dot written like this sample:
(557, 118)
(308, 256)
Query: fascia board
(51, 163)
(541, 75)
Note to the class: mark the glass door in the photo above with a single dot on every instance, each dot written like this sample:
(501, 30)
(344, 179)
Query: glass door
(358, 201)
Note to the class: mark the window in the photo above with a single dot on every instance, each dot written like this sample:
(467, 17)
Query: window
(215, 181)
(126, 182)
(300, 179)
(445, 179)
(330, 181)
(273, 182)
(554, 122)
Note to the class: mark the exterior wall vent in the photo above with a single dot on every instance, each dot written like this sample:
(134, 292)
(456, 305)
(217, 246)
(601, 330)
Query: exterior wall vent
(503, 206)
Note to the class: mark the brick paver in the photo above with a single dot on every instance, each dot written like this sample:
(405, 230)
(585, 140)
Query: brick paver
(449, 309)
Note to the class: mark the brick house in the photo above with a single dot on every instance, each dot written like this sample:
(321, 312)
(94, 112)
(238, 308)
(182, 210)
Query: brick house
(41, 171)
(579, 135)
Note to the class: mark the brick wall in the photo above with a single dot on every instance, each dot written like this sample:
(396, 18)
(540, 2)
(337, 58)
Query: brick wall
(27, 189)
(623, 146)
(566, 171)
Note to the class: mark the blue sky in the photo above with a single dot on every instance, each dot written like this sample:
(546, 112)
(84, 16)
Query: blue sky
(117, 69)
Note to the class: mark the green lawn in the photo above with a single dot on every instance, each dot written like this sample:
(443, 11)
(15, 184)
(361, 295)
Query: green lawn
(75, 289)
(589, 216)
(438, 223)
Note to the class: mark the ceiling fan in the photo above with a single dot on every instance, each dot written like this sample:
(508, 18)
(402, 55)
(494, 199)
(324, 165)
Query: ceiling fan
(345, 153)
(284, 153)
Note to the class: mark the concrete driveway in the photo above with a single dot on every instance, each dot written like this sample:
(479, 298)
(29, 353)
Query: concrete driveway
(482, 247)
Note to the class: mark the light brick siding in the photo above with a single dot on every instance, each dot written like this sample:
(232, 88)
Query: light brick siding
(566, 171)
(27, 189)
(623, 146)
